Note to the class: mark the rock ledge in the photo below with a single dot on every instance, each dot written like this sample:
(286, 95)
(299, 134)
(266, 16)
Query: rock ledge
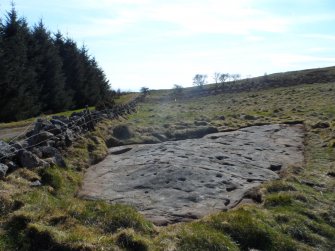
(187, 179)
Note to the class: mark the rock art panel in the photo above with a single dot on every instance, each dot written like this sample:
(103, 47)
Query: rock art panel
(187, 179)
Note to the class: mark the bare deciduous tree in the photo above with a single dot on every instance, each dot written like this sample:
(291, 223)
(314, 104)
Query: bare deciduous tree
(199, 80)
(223, 77)
(216, 77)
(235, 77)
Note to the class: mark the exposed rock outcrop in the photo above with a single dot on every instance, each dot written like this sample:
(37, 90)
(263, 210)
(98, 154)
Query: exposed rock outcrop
(182, 180)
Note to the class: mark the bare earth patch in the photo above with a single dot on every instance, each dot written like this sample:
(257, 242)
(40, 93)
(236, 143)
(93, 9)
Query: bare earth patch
(182, 180)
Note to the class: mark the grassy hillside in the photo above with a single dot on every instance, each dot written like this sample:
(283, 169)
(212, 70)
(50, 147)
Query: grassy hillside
(283, 79)
(296, 212)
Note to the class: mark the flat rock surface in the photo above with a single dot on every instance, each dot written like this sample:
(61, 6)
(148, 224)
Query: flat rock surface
(182, 180)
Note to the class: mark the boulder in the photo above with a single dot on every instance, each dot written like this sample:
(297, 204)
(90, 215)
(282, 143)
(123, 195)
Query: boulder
(28, 159)
(17, 145)
(69, 137)
(37, 152)
(54, 129)
(40, 124)
(6, 150)
(58, 122)
(40, 139)
(11, 165)
(48, 151)
(3, 170)
(52, 156)
(122, 132)
(59, 160)
(111, 142)
(63, 119)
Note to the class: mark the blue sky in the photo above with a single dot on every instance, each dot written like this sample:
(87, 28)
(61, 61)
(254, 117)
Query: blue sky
(158, 43)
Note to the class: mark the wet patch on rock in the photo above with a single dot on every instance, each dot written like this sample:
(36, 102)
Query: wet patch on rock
(182, 180)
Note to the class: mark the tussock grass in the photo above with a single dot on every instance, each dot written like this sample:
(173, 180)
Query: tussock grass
(129, 240)
(197, 236)
(249, 231)
(296, 212)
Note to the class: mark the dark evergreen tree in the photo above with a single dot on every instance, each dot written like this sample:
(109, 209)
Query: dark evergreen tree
(39, 73)
(95, 83)
(19, 93)
(48, 67)
(73, 69)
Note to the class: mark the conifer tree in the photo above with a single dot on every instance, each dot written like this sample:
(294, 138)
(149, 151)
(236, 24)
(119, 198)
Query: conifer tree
(95, 84)
(73, 69)
(48, 67)
(19, 94)
(39, 73)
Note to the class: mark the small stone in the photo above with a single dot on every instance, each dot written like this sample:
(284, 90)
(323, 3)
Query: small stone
(248, 117)
(321, 125)
(36, 183)
(51, 161)
(275, 167)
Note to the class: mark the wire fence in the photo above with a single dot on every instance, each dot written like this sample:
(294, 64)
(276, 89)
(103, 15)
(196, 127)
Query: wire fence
(84, 122)
(23, 133)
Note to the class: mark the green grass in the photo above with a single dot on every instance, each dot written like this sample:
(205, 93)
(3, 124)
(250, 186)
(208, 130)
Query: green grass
(123, 99)
(197, 236)
(296, 212)
(27, 122)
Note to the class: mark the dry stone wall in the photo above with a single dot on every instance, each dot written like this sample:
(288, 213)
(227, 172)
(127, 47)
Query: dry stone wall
(42, 145)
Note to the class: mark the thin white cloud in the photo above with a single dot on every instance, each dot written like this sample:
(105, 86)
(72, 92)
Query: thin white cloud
(319, 36)
(232, 17)
(253, 38)
(188, 18)
(319, 49)
(290, 60)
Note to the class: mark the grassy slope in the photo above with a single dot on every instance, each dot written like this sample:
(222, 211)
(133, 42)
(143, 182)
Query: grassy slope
(297, 212)
(120, 100)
